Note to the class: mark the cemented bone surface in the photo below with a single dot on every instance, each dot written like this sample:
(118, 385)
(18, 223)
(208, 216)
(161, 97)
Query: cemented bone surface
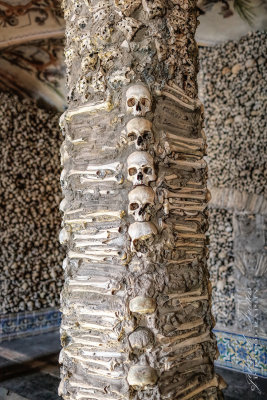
(136, 319)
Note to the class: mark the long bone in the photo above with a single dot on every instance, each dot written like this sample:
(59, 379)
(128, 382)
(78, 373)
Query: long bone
(172, 389)
(200, 164)
(205, 337)
(88, 108)
(183, 355)
(114, 167)
(168, 340)
(180, 295)
(212, 383)
(186, 365)
(92, 256)
(176, 88)
(176, 99)
(118, 179)
(170, 147)
(104, 215)
(187, 206)
(98, 371)
(94, 396)
(102, 234)
(196, 143)
(184, 193)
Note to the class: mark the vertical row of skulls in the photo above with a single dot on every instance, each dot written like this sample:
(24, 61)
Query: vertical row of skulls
(140, 172)
(140, 163)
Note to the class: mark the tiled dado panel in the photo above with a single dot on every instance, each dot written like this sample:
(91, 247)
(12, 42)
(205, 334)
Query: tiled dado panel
(242, 353)
(28, 323)
(237, 352)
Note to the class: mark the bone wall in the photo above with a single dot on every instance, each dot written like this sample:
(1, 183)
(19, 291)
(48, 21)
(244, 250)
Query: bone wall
(30, 254)
(233, 89)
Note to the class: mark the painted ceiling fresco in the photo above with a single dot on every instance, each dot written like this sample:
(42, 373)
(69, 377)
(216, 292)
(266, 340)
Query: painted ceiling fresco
(32, 41)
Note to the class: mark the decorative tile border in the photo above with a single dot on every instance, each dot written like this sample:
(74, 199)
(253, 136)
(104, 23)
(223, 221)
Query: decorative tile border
(242, 353)
(238, 352)
(28, 323)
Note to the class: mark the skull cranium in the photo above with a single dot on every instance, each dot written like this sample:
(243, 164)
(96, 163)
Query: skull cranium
(141, 233)
(138, 100)
(139, 131)
(141, 169)
(141, 198)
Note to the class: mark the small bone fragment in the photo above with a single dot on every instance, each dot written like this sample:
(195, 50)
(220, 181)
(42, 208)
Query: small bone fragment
(64, 236)
(142, 305)
(129, 26)
(142, 376)
(87, 108)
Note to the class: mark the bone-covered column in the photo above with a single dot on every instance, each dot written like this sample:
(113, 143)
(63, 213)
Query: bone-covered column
(136, 318)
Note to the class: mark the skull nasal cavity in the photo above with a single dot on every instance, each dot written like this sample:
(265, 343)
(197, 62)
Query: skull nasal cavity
(138, 107)
(139, 140)
(140, 176)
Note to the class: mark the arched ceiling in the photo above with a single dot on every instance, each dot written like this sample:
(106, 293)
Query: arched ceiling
(31, 42)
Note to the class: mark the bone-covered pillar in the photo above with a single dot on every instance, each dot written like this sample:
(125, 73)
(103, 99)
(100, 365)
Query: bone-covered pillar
(136, 318)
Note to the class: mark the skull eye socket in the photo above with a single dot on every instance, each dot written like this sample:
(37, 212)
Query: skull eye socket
(144, 101)
(134, 206)
(131, 102)
(132, 136)
(148, 171)
(132, 171)
(147, 135)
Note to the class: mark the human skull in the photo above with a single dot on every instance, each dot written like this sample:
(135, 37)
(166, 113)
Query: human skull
(140, 233)
(138, 100)
(153, 8)
(141, 169)
(139, 131)
(141, 198)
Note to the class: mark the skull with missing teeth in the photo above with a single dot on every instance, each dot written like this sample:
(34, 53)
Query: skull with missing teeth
(139, 131)
(141, 169)
(142, 235)
(141, 200)
(138, 100)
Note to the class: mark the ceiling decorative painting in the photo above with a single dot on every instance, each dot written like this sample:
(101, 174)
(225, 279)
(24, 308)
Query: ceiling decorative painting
(223, 20)
(23, 20)
(35, 69)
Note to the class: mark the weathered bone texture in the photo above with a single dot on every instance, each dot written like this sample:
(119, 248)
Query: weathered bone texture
(136, 302)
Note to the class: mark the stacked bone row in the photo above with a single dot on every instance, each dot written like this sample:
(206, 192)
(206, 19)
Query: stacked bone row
(140, 172)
